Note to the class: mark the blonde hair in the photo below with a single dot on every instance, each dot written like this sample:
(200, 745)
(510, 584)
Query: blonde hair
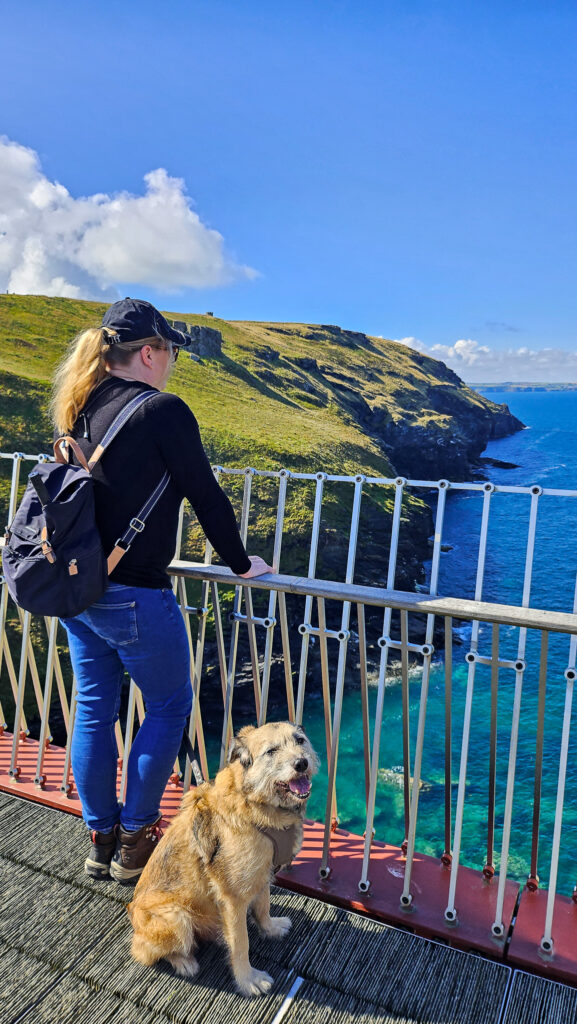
(84, 367)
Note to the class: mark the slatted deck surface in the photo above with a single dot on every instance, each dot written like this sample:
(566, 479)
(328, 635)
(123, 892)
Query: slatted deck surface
(64, 941)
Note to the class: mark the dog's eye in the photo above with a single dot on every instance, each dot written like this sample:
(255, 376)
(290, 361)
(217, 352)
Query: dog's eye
(271, 750)
(299, 739)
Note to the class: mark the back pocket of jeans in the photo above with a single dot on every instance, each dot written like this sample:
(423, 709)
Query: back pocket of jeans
(115, 623)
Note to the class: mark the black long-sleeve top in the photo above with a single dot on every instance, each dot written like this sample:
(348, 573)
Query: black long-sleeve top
(162, 434)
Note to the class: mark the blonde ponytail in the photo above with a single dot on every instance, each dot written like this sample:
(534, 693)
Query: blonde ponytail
(92, 353)
(81, 370)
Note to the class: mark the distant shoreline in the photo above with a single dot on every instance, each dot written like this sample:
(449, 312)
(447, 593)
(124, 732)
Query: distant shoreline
(510, 386)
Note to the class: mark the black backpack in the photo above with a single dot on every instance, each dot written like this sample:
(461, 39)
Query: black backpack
(53, 560)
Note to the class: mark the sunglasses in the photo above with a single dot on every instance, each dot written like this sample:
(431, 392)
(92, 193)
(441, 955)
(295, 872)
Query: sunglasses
(172, 349)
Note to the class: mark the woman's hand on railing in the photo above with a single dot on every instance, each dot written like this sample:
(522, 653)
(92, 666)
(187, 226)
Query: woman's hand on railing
(258, 567)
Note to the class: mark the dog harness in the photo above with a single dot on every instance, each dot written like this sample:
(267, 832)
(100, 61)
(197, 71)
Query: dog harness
(283, 841)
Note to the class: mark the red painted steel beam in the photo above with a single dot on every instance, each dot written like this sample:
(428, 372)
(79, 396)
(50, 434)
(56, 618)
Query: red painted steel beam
(476, 897)
(525, 950)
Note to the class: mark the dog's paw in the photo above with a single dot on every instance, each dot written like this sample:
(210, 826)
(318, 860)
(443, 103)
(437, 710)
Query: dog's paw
(185, 966)
(254, 983)
(276, 927)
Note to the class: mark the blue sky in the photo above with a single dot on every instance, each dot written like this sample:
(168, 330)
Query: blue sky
(401, 168)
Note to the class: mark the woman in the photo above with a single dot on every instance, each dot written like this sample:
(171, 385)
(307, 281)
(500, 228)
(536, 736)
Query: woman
(136, 627)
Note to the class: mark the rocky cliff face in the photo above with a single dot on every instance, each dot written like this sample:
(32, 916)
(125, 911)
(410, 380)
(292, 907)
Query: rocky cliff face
(449, 448)
(426, 421)
(207, 341)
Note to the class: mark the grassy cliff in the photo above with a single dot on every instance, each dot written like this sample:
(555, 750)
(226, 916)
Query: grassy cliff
(300, 396)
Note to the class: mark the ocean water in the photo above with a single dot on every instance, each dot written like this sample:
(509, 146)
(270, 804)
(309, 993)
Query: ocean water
(546, 455)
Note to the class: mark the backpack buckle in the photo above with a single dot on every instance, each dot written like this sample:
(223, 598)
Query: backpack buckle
(137, 524)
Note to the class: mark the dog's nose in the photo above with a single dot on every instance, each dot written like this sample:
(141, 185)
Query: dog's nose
(301, 765)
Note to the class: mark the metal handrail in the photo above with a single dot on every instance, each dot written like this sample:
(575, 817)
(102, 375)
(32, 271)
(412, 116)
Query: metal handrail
(380, 597)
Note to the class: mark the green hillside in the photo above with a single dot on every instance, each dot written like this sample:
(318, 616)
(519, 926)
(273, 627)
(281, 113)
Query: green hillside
(305, 397)
(244, 415)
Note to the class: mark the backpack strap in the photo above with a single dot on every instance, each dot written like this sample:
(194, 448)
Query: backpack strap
(117, 425)
(137, 524)
(114, 428)
(69, 442)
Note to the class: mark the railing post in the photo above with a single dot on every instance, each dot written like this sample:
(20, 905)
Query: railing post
(313, 551)
(45, 726)
(364, 681)
(448, 675)
(66, 785)
(14, 769)
(428, 649)
(249, 473)
(284, 477)
(498, 928)
(5, 652)
(533, 879)
(451, 911)
(364, 881)
(343, 638)
(547, 940)
(489, 869)
(128, 737)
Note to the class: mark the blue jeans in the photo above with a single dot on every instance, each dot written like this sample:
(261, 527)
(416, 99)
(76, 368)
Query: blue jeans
(140, 631)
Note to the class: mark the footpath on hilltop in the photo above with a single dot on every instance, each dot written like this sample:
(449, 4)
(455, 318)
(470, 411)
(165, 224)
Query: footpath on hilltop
(271, 395)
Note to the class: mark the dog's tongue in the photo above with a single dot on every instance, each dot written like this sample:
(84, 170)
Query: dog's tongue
(300, 785)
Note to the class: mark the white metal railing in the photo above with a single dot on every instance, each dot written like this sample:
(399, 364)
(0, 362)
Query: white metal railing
(336, 601)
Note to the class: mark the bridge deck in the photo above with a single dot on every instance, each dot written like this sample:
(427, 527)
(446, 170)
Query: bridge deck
(64, 956)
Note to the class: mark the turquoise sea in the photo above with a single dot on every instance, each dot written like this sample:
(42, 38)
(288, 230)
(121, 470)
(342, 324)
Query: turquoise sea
(546, 454)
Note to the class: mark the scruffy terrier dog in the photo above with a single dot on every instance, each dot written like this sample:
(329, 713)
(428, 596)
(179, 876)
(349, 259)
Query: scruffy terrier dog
(218, 855)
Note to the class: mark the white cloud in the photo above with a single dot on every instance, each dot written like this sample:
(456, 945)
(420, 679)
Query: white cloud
(467, 351)
(411, 343)
(54, 244)
(480, 363)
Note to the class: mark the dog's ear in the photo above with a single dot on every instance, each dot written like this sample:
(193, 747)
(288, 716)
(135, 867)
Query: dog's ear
(239, 752)
(206, 840)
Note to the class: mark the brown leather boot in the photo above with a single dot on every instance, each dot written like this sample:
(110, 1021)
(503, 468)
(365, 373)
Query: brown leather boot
(133, 850)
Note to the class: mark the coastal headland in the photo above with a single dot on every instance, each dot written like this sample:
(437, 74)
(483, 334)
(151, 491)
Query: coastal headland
(304, 397)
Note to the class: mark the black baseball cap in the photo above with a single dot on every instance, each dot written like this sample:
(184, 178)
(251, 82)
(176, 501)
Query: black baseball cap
(135, 320)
